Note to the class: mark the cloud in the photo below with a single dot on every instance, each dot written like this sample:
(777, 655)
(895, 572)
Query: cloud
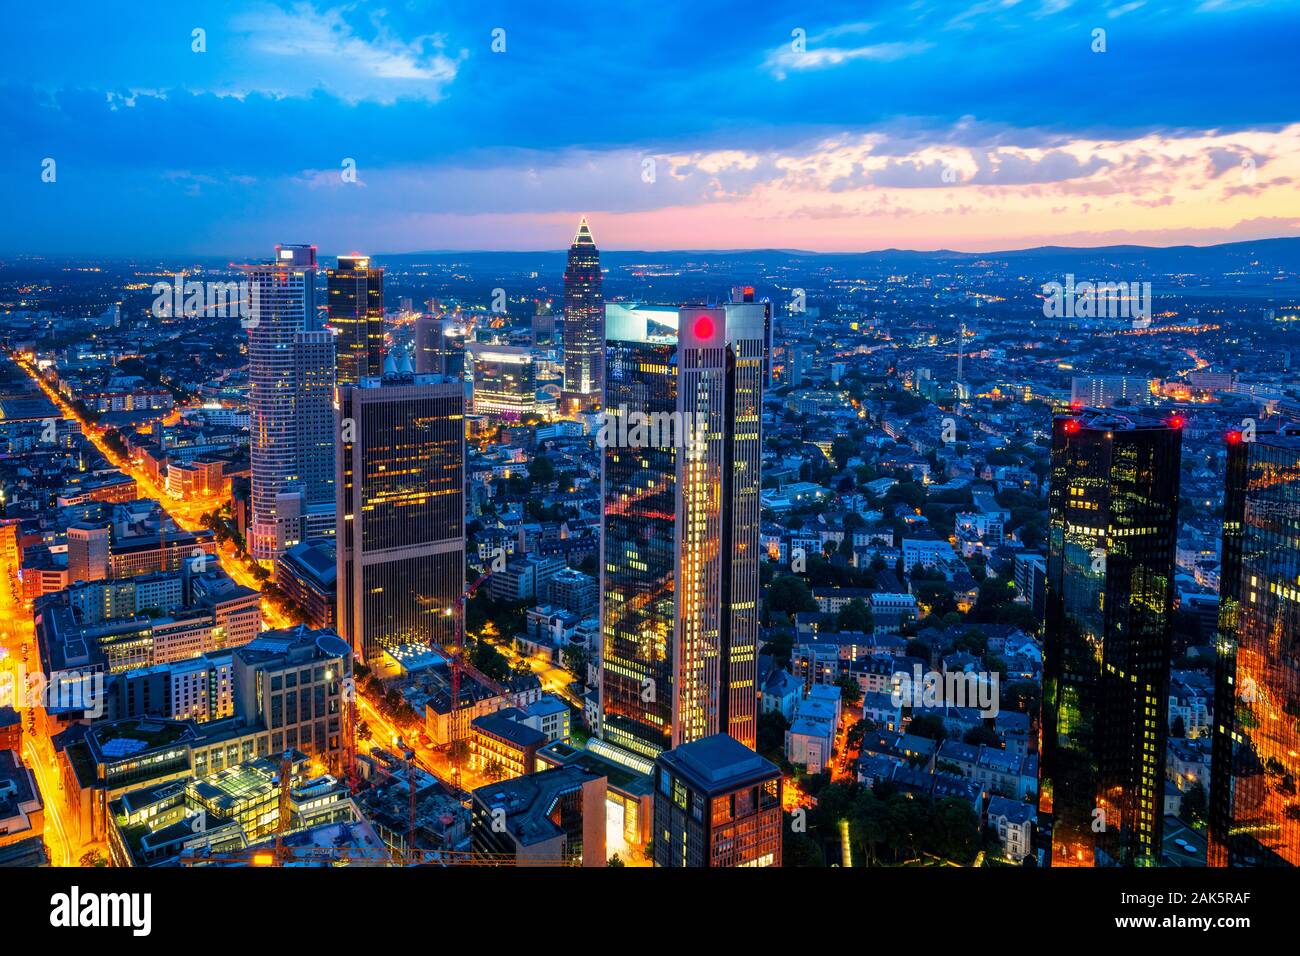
(804, 52)
(295, 50)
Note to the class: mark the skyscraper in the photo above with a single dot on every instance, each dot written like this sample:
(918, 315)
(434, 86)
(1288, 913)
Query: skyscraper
(401, 509)
(291, 383)
(439, 347)
(1112, 511)
(356, 314)
(584, 323)
(1254, 815)
(679, 542)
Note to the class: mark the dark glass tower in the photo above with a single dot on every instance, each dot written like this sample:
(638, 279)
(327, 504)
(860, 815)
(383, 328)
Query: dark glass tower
(1113, 507)
(401, 509)
(679, 604)
(584, 322)
(356, 313)
(439, 347)
(1254, 803)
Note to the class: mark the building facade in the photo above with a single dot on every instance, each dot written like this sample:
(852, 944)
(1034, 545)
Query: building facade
(680, 579)
(505, 381)
(401, 510)
(1253, 821)
(355, 302)
(291, 377)
(716, 804)
(1113, 506)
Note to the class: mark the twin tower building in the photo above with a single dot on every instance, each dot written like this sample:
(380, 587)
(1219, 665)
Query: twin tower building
(372, 451)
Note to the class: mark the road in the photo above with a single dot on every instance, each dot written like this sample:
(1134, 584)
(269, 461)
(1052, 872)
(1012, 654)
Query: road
(384, 733)
(187, 514)
(555, 679)
(18, 644)
(17, 628)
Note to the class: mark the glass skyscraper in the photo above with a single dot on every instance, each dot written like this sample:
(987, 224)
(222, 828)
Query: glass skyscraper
(1254, 804)
(291, 384)
(356, 313)
(401, 509)
(1112, 512)
(679, 573)
(439, 347)
(584, 322)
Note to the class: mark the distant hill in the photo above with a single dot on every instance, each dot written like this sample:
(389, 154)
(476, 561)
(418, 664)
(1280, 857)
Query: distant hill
(1258, 255)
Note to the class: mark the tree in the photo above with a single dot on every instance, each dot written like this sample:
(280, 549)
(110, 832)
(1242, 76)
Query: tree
(771, 734)
(575, 658)
(799, 849)
(842, 449)
(855, 616)
(982, 734)
(857, 732)
(790, 595)
(541, 470)
(1194, 804)
(928, 725)
(850, 690)
(955, 834)
(490, 661)
(615, 861)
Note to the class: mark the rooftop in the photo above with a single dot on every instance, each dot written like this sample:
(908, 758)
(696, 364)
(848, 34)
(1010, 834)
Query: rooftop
(718, 763)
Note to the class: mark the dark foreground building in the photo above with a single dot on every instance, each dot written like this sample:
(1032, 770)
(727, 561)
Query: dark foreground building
(1112, 512)
(1254, 807)
(717, 803)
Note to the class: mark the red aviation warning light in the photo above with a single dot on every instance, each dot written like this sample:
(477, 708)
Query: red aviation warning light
(1177, 421)
(1071, 426)
(1234, 438)
(703, 327)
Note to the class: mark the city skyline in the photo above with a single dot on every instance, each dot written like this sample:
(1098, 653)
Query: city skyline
(638, 514)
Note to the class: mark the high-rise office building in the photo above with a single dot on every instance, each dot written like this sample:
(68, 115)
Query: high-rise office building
(356, 313)
(584, 322)
(1256, 729)
(679, 542)
(401, 509)
(745, 293)
(1113, 507)
(291, 376)
(439, 347)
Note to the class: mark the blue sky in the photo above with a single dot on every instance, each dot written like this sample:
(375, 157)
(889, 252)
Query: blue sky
(975, 125)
